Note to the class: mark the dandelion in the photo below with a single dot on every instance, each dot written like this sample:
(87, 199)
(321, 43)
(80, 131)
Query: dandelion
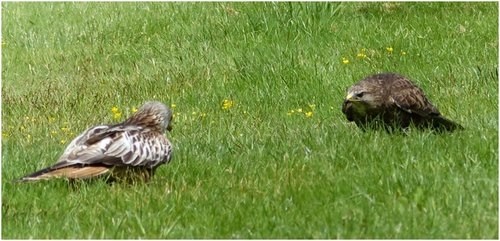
(117, 114)
(345, 60)
(361, 54)
(63, 141)
(309, 114)
(227, 104)
(389, 49)
(134, 109)
(173, 106)
(299, 110)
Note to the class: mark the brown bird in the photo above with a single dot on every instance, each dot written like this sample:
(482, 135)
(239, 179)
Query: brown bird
(393, 102)
(130, 151)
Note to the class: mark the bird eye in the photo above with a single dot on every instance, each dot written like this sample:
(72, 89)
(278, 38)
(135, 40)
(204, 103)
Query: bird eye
(360, 94)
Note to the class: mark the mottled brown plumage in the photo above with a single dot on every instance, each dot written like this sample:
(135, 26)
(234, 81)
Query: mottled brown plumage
(131, 150)
(392, 102)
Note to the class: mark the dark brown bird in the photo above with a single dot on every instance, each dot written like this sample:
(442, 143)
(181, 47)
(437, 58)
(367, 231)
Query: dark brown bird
(392, 102)
(130, 151)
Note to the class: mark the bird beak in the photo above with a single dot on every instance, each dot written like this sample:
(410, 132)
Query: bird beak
(349, 96)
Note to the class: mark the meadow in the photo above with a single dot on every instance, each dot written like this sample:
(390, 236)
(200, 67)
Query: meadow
(262, 149)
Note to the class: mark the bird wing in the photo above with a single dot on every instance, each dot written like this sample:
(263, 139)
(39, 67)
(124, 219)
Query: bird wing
(117, 146)
(100, 148)
(412, 99)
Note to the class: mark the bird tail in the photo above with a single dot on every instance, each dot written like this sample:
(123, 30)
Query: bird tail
(69, 172)
(441, 123)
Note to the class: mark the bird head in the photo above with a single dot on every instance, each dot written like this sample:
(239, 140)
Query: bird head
(361, 98)
(154, 115)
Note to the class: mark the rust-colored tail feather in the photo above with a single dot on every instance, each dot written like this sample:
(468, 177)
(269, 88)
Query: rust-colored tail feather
(69, 172)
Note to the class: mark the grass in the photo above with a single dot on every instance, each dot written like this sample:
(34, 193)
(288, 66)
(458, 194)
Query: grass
(280, 160)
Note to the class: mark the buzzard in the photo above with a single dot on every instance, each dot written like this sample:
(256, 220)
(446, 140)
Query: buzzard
(392, 102)
(130, 151)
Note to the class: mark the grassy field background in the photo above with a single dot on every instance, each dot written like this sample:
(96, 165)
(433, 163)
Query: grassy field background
(262, 149)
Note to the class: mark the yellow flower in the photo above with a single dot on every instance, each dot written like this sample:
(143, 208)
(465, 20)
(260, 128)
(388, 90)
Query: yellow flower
(389, 49)
(63, 141)
(173, 105)
(134, 109)
(227, 104)
(117, 115)
(299, 110)
(361, 55)
(345, 60)
(309, 114)
(115, 110)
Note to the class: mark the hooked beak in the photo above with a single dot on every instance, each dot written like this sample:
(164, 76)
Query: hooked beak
(349, 97)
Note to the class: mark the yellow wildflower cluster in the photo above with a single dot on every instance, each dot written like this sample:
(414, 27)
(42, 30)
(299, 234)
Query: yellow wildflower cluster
(307, 112)
(117, 114)
(27, 130)
(63, 134)
(362, 54)
(345, 60)
(366, 54)
(227, 104)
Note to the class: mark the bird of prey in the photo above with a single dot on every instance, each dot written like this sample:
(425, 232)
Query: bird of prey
(131, 150)
(392, 102)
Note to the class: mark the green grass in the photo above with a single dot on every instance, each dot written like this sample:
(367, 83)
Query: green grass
(255, 170)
